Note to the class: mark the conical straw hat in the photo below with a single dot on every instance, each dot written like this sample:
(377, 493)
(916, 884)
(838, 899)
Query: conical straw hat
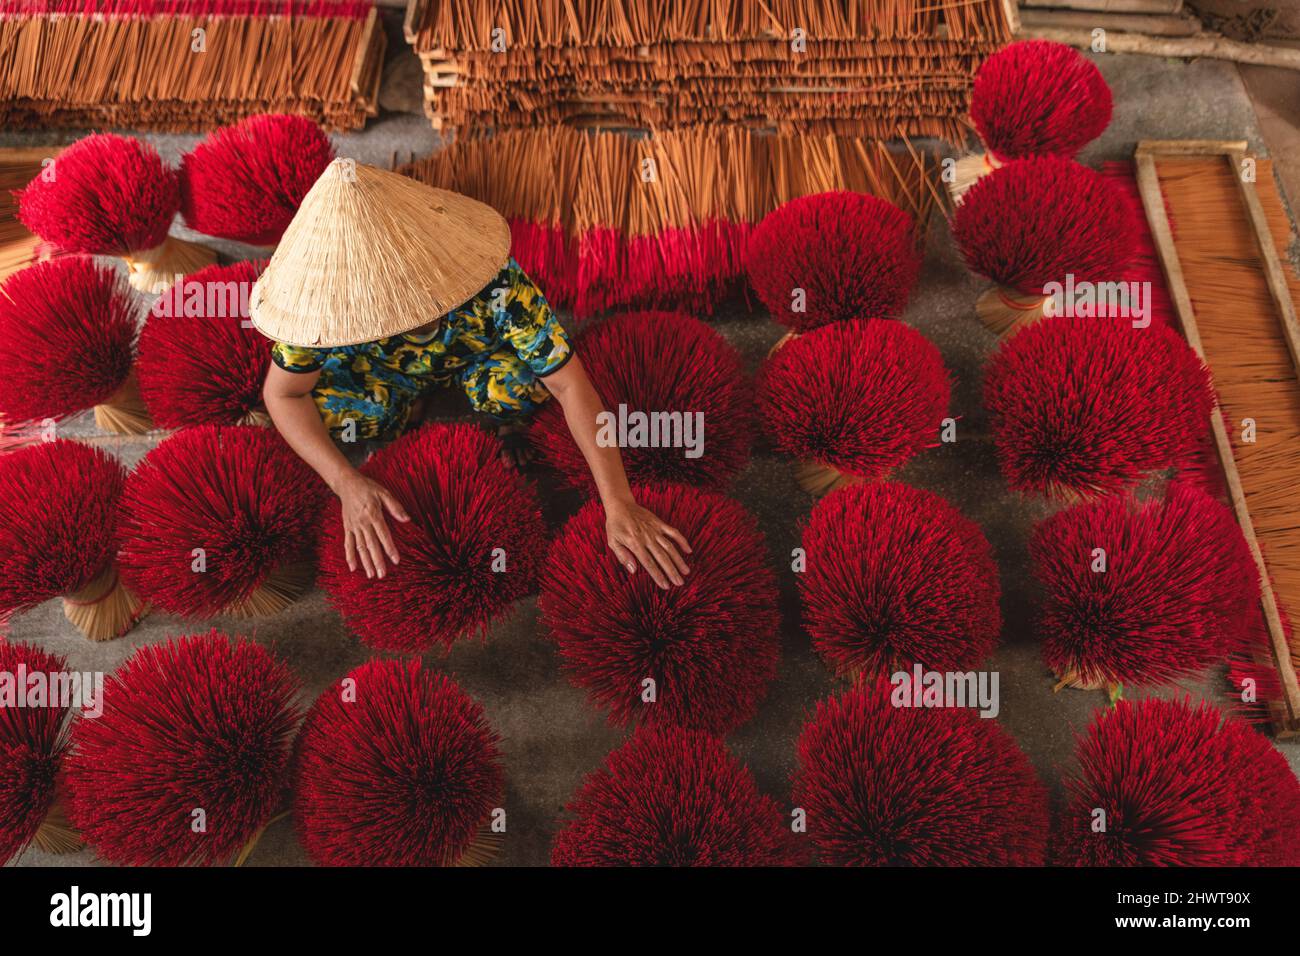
(371, 254)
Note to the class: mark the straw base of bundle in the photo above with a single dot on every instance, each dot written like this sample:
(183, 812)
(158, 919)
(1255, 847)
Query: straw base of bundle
(56, 835)
(282, 587)
(820, 479)
(124, 413)
(256, 416)
(781, 342)
(1068, 496)
(1005, 311)
(1076, 682)
(104, 609)
(967, 171)
(486, 845)
(247, 849)
(154, 270)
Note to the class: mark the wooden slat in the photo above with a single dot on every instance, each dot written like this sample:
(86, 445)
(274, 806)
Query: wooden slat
(1273, 271)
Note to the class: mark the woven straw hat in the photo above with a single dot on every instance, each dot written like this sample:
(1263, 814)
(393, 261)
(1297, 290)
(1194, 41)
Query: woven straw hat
(371, 254)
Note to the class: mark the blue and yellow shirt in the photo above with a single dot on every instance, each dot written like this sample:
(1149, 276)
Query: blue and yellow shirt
(498, 345)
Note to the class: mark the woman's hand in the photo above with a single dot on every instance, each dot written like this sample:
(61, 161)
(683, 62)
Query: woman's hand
(366, 536)
(634, 534)
(637, 535)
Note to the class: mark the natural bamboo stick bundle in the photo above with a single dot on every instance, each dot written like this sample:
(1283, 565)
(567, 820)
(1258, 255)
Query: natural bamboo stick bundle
(18, 166)
(138, 62)
(505, 63)
(696, 59)
(458, 25)
(880, 75)
(858, 122)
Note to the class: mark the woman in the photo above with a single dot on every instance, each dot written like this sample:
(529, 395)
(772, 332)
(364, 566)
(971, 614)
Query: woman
(373, 354)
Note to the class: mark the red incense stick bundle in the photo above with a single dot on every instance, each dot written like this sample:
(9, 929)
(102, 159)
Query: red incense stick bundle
(113, 196)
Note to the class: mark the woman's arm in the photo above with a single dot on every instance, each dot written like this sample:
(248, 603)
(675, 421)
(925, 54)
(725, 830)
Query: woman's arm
(366, 536)
(634, 534)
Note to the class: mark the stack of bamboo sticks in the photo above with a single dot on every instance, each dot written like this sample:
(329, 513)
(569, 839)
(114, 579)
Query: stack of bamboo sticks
(18, 167)
(880, 68)
(183, 65)
(606, 220)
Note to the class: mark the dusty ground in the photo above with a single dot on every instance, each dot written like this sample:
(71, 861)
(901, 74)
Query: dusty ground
(551, 738)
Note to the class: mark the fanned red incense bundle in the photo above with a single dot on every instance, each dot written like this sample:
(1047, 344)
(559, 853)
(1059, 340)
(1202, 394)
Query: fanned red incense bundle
(833, 256)
(710, 646)
(1084, 407)
(471, 549)
(677, 380)
(1039, 222)
(70, 326)
(220, 521)
(1169, 594)
(397, 766)
(916, 786)
(853, 400)
(190, 757)
(896, 577)
(245, 182)
(1144, 268)
(112, 195)
(606, 221)
(673, 797)
(58, 505)
(1039, 98)
(32, 742)
(201, 362)
(1179, 786)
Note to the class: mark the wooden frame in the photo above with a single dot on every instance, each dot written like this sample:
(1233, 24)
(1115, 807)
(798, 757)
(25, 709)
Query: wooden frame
(1148, 180)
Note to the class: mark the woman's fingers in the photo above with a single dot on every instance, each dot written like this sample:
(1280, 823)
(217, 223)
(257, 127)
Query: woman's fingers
(363, 552)
(665, 562)
(379, 528)
(371, 545)
(624, 556)
(350, 549)
(650, 564)
(394, 508)
(677, 536)
(669, 547)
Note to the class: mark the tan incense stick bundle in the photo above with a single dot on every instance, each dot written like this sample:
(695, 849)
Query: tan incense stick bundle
(461, 25)
(187, 65)
(897, 65)
(18, 166)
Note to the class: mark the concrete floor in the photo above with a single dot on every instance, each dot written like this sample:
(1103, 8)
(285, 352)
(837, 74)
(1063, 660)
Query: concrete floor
(551, 738)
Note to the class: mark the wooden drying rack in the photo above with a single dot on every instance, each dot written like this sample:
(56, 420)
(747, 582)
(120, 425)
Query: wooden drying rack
(1148, 180)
